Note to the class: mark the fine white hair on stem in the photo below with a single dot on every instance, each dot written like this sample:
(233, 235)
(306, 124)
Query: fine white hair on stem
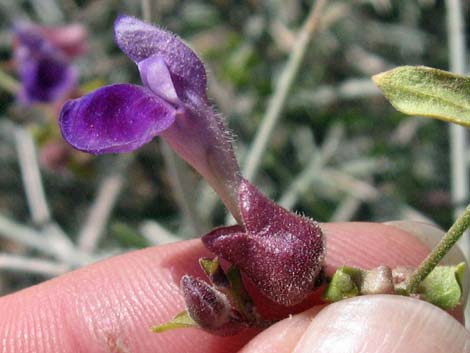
(281, 92)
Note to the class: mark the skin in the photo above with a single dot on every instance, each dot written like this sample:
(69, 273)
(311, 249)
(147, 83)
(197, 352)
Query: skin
(109, 307)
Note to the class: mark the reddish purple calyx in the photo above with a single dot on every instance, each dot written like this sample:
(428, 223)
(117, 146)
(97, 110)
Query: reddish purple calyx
(281, 252)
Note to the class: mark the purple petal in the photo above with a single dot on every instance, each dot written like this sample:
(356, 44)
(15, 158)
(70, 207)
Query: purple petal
(155, 75)
(114, 119)
(282, 253)
(140, 40)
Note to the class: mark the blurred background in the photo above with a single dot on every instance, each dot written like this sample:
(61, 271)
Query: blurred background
(310, 128)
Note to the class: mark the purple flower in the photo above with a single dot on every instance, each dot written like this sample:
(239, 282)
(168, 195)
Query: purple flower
(282, 253)
(173, 103)
(43, 56)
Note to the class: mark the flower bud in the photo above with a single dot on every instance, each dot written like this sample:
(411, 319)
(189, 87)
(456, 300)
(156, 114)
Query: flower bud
(209, 307)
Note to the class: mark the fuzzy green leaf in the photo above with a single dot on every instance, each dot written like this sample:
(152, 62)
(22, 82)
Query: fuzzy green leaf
(343, 284)
(443, 286)
(182, 320)
(420, 90)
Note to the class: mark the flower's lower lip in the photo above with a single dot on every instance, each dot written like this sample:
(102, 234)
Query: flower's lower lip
(115, 119)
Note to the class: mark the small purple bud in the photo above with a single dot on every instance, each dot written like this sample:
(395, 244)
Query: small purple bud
(209, 307)
(281, 252)
(43, 56)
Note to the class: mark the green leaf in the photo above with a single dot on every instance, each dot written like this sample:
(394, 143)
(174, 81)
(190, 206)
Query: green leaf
(210, 266)
(182, 320)
(344, 284)
(240, 297)
(214, 271)
(127, 236)
(443, 286)
(420, 90)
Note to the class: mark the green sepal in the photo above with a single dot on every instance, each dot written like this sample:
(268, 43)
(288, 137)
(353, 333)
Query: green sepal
(424, 91)
(344, 284)
(443, 286)
(182, 320)
(209, 266)
(241, 298)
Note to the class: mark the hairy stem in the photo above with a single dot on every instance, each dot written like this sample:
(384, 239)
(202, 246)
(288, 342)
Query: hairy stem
(441, 249)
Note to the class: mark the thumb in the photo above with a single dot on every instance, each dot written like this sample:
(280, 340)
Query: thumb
(367, 324)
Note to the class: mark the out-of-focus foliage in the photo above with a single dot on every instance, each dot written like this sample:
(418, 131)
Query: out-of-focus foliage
(340, 151)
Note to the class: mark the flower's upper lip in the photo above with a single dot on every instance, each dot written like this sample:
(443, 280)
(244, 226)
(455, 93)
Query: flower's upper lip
(140, 40)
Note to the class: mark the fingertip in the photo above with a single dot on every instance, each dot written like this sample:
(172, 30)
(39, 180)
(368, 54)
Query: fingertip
(283, 336)
(110, 306)
(369, 245)
(382, 324)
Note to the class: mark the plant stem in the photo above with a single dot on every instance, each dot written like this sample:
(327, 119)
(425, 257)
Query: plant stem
(102, 207)
(146, 10)
(282, 90)
(8, 83)
(31, 176)
(17, 263)
(182, 189)
(441, 249)
(458, 134)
